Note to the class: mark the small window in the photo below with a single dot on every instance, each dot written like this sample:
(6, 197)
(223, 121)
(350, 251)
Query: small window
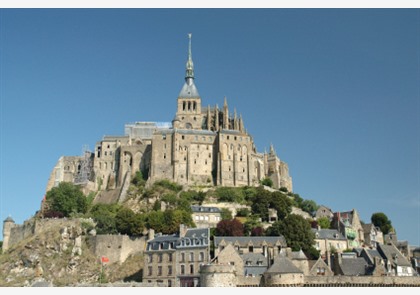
(191, 269)
(164, 137)
(183, 269)
(150, 270)
(169, 270)
(170, 255)
(159, 270)
(182, 137)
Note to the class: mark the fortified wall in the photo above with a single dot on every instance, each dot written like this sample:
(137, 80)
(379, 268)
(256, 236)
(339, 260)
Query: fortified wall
(117, 248)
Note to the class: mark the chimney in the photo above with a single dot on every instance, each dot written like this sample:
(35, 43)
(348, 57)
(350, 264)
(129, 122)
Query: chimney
(182, 230)
(151, 234)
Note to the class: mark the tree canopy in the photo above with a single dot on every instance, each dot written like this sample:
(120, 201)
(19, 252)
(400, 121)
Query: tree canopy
(296, 230)
(380, 220)
(66, 198)
(230, 228)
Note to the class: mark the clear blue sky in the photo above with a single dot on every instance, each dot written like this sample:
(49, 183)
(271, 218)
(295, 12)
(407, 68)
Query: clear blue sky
(336, 91)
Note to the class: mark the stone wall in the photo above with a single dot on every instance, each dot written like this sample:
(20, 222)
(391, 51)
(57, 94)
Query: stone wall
(363, 281)
(117, 247)
(218, 276)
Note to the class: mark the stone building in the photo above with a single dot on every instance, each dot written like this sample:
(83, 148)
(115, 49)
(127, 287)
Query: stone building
(349, 225)
(328, 241)
(206, 217)
(175, 260)
(373, 235)
(202, 145)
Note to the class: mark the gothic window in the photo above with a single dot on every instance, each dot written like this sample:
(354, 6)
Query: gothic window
(189, 105)
(195, 106)
(183, 105)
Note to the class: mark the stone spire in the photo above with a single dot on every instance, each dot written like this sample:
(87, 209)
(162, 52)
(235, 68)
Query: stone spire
(189, 90)
(208, 118)
(216, 118)
(225, 115)
(235, 120)
(189, 71)
(241, 123)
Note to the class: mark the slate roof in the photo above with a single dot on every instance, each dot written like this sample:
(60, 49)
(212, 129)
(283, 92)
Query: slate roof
(254, 269)
(254, 258)
(329, 234)
(299, 255)
(195, 208)
(256, 241)
(353, 266)
(166, 242)
(283, 265)
(390, 252)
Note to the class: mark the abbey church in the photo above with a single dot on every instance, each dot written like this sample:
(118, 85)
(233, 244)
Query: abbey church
(205, 146)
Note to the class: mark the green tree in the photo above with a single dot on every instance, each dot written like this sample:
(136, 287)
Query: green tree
(138, 179)
(225, 214)
(261, 203)
(267, 182)
(174, 218)
(324, 222)
(380, 220)
(296, 230)
(67, 198)
(155, 220)
(309, 206)
(282, 203)
(129, 223)
(250, 224)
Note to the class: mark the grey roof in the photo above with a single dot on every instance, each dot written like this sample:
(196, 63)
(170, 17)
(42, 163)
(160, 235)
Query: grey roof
(256, 241)
(189, 90)
(205, 209)
(299, 255)
(329, 234)
(353, 266)
(9, 219)
(391, 253)
(198, 232)
(193, 238)
(283, 265)
(254, 258)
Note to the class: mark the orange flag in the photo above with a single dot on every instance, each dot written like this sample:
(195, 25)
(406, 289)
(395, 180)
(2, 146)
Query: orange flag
(104, 259)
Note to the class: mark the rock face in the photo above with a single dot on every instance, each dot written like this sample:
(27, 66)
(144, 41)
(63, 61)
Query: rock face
(53, 255)
(62, 253)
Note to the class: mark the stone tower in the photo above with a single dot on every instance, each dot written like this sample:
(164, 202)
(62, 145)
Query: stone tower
(188, 115)
(8, 224)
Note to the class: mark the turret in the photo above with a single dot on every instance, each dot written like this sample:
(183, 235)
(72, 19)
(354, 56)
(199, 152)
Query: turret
(8, 224)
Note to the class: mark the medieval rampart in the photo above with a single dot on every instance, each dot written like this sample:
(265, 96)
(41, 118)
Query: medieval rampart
(117, 247)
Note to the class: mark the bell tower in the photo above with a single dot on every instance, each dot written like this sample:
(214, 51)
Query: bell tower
(188, 115)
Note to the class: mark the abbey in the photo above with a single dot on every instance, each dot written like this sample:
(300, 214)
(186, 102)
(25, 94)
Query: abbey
(201, 146)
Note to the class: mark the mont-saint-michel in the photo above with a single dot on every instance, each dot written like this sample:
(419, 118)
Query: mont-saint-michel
(193, 203)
